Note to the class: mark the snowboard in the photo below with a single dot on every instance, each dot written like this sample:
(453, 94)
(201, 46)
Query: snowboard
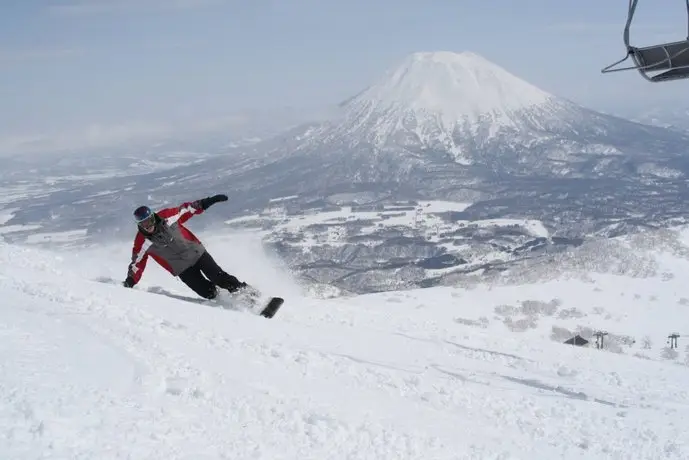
(272, 307)
(247, 300)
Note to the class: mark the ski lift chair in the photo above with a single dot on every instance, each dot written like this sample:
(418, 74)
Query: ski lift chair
(669, 60)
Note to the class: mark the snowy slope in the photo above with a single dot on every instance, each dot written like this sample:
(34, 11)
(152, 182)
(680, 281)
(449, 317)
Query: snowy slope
(93, 370)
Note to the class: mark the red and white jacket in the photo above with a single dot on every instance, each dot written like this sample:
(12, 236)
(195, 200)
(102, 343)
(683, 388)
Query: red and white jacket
(172, 245)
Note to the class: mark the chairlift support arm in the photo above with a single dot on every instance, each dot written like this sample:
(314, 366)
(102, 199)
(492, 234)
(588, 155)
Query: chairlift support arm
(631, 49)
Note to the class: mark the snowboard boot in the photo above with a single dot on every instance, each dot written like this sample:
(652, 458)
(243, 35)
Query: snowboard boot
(246, 292)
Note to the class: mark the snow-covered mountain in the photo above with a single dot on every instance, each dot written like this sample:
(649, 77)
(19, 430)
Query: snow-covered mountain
(430, 99)
(456, 127)
(453, 126)
(439, 127)
(445, 126)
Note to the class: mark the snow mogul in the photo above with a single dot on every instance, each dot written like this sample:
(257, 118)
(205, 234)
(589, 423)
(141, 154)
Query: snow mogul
(163, 236)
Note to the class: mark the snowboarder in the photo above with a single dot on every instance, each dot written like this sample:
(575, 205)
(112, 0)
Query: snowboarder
(163, 236)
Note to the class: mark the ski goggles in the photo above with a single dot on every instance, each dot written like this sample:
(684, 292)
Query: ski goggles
(144, 217)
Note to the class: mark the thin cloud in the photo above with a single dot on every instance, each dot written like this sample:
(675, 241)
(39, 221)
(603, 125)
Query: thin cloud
(579, 27)
(8, 55)
(90, 137)
(95, 7)
(103, 135)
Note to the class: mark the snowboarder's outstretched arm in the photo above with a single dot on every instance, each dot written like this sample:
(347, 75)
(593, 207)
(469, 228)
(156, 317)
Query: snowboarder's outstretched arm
(139, 259)
(185, 211)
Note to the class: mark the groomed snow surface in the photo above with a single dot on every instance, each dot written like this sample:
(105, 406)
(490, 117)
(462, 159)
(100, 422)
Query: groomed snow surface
(92, 370)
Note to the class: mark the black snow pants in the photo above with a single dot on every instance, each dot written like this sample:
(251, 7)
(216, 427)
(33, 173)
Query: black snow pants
(206, 286)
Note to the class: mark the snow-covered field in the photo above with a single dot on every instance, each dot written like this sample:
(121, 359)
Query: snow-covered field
(424, 216)
(93, 370)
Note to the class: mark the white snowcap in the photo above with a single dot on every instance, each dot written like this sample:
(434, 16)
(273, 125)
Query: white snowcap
(453, 86)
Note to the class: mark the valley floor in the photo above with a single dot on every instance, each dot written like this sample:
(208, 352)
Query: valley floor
(93, 370)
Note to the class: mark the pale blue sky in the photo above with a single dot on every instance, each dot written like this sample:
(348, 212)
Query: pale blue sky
(71, 63)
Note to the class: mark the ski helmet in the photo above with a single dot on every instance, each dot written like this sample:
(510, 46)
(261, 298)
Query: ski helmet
(144, 216)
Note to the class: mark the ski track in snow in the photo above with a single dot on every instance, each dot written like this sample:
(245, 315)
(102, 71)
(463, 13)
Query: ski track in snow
(93, 370)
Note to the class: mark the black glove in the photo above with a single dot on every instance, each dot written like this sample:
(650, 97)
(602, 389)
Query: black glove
(211, 200)
(129, 282)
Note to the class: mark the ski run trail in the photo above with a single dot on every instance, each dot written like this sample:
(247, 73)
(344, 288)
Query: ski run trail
(92, 370)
